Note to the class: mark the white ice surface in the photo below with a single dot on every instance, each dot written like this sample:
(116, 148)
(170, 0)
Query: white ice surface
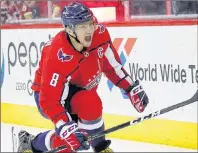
(118, 145)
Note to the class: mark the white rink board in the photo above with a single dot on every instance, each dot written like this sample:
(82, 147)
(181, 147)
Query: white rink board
(155, 47)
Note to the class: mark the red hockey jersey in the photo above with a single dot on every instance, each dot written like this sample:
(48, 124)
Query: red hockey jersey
(61, 64)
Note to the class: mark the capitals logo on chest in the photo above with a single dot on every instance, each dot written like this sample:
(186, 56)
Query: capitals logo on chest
(63, 57)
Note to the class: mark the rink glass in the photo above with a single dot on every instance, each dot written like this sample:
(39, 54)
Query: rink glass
(105, 11)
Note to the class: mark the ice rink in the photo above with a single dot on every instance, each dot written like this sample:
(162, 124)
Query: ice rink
(117, 144)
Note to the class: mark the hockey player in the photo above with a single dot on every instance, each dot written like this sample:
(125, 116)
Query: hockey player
(66, 81)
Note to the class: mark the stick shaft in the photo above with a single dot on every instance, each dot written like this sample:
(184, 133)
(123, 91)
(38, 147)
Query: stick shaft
(149, 116)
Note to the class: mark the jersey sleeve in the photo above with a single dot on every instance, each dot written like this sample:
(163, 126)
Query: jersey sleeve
(37, 78)
(113, 68)
(54, 88)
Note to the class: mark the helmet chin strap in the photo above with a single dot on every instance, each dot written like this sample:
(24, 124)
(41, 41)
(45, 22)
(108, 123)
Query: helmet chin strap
(73, 29)
(77, 40)
(75, 37)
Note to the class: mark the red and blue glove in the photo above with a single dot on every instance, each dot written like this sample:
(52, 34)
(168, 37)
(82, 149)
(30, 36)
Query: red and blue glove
(138, 97)
(75, 137)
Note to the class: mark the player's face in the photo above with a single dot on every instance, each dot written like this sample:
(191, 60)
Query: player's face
(85, 32)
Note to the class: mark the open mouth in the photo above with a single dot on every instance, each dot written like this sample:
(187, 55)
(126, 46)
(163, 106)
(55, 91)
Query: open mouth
(88, 38)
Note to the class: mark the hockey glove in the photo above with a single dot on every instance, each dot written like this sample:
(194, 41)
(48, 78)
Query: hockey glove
(75, 137)
(137, 96)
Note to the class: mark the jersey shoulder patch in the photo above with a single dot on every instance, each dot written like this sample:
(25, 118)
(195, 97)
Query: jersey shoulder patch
(101, 35)
(101, 28)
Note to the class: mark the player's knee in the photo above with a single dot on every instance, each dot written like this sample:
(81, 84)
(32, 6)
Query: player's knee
(91, 111)
(89, 105)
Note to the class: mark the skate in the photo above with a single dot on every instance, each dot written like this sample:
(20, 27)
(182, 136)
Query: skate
(21, 140)
(103, 147)
(107, 150)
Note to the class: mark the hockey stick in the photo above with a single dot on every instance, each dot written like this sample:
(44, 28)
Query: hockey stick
(193, 99)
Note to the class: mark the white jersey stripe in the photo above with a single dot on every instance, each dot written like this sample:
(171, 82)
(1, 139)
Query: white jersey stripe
(129, 80)
(65, 91)
(112, 61)
(91, 126)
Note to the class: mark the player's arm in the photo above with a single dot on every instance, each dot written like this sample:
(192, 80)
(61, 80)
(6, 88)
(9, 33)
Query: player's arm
(53, 88)
(37, 78)
(115, 72)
